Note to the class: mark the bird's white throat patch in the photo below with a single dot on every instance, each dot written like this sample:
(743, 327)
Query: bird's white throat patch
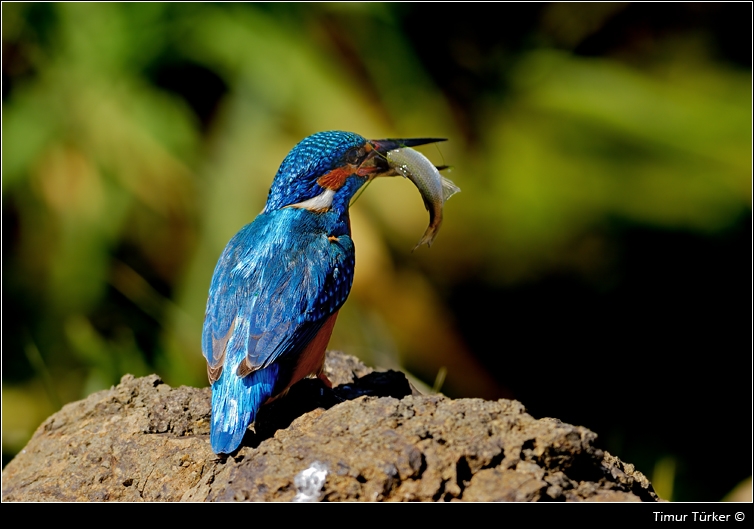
(321, 202)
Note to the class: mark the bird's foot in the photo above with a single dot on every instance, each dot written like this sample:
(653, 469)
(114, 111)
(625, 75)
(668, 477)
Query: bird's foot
(324, 379)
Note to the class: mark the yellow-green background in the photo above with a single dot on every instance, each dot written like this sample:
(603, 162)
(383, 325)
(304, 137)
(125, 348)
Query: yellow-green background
(595, 266)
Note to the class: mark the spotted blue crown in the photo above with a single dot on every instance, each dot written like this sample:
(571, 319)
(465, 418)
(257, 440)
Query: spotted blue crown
(312, 157)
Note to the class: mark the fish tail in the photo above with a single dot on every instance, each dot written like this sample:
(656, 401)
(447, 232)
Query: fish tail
(429, 236)
(235, 403)
(435, 216)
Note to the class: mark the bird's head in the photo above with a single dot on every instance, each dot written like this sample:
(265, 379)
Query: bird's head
(323, 171)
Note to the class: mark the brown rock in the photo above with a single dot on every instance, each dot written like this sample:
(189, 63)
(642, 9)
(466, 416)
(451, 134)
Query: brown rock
(371, 438)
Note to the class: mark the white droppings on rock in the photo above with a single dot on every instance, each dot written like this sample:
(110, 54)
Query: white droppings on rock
(309, 482)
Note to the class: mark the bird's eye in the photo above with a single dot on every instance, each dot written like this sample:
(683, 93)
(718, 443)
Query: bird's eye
(354, 155)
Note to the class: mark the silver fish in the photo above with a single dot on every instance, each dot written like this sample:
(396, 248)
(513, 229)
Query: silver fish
(434, 188)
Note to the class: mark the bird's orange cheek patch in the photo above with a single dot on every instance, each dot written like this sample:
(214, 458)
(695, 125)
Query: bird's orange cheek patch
(336, 178)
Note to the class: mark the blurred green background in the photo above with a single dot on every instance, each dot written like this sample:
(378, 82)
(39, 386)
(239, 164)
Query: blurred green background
(596, 266)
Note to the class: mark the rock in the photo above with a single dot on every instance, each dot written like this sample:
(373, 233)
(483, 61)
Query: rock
(371, 438)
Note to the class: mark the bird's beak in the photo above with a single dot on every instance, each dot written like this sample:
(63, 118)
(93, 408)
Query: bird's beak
(381, 147)
(384, 146)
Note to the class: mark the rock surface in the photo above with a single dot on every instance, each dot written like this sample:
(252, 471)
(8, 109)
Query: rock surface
(372, 438)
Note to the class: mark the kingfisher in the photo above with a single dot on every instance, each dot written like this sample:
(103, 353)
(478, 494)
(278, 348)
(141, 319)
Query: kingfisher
(279, 283)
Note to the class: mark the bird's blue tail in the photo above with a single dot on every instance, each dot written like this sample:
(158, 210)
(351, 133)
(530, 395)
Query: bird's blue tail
(235, 402)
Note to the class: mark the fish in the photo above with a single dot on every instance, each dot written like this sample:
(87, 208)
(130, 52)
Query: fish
(435, 189)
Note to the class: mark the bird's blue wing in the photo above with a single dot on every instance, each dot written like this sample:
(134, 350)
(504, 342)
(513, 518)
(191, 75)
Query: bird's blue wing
(276, 283)
(274, 286)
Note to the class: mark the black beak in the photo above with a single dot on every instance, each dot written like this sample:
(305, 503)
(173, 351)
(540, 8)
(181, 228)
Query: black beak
(382, 147)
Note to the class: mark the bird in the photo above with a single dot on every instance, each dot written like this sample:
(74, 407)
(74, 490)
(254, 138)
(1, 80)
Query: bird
(279, 283)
